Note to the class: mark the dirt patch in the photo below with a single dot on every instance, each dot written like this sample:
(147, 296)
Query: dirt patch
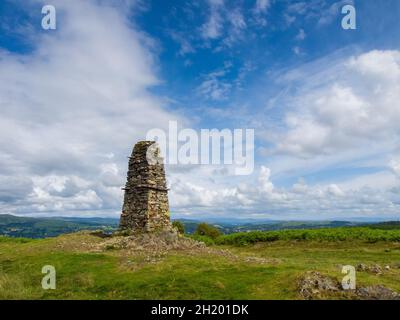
(81, 241)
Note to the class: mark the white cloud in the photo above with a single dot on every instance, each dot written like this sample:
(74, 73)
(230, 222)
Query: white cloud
(334, 190)
(213, 28)
(184, 43)
(224, 23)
(260, 11)
(264, 180)
(395, 167)
(301, 35)
(332, 11)
(262, 6)
(72, 109)
(323, 11)
(194, 195)
(80, 96)
(297, 50)
(341, 114)
(299, 7)
(358, 107)
(214, 87)
(237, 20)
(14, 188)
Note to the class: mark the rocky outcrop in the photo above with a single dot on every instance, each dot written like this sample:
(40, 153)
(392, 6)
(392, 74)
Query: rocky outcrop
(314, 286)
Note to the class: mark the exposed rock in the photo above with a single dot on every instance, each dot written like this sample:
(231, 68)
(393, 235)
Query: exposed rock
(362, 267)
(378, 292)
(317, 286)
(313, 285)
(100, 234)
(375, 268)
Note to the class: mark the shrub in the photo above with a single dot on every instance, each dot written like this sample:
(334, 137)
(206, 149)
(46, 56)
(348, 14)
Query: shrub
(204, 229)
(179, 226)
(335, 234)
(207, 240)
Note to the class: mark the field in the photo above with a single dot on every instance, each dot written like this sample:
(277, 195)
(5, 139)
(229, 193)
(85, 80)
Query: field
(256, 265)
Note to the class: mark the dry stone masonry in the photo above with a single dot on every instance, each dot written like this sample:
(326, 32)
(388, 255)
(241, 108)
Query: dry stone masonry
(145, 206)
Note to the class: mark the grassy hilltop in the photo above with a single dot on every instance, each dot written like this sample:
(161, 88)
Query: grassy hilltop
(255, 265)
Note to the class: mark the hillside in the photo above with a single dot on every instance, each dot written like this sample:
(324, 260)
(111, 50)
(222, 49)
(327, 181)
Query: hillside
(50, 227)
(273, 266)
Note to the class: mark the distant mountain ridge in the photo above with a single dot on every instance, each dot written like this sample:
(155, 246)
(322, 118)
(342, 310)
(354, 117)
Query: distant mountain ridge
(30, 227)
(237, 226)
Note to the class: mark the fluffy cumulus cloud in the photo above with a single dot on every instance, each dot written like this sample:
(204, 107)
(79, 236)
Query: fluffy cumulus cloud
(72, 108)
(395, 167)
(257, 197)
(359, 106)
(340, 113)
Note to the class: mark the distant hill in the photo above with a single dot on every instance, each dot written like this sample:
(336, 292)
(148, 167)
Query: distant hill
(28, 227)
(390, 225)
(237, 226)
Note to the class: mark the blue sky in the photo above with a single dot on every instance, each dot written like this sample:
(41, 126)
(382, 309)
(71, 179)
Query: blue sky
(323, 101)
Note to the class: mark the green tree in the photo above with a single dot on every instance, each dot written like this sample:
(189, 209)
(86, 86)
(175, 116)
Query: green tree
(179, 226)
(204, 229)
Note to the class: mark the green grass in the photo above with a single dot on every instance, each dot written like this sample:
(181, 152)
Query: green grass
(116, 274)
(14, 240)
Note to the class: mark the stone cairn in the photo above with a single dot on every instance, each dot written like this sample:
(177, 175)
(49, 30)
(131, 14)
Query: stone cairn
(145, 206)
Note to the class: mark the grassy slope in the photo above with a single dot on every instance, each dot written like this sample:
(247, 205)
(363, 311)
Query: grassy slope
(180, 275)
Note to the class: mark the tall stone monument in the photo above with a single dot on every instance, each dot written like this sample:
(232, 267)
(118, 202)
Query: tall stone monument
(145, 206)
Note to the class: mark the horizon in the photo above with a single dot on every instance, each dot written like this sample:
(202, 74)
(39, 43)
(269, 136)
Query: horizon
(218, 219)
(321, 100)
